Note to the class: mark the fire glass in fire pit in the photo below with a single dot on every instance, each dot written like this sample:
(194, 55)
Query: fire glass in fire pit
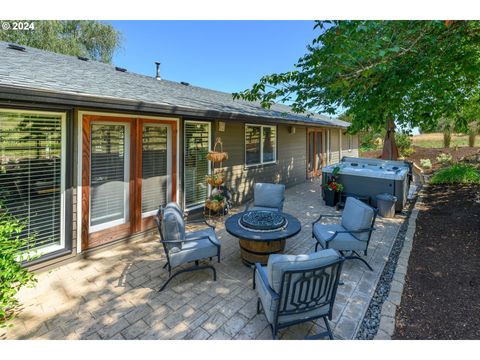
(262, 220)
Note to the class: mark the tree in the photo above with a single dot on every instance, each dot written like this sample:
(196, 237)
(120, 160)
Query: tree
(470, 118)
(410, 72)
(447, 126)
(89, 38)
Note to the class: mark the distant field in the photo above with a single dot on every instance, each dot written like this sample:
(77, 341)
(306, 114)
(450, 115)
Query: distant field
(435, 140)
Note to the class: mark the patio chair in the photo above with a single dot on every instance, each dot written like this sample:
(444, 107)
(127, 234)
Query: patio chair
(182, 247)
(293, 289)
(267, 197)
(352, 234)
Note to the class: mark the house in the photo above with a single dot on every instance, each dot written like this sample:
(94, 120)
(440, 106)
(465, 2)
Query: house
(89, 151)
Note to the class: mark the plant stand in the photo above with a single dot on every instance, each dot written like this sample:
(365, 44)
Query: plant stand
(215, 210)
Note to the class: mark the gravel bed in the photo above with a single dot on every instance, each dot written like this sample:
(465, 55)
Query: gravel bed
(369, 327)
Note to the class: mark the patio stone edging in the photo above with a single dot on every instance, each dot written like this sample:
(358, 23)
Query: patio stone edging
(389, 308)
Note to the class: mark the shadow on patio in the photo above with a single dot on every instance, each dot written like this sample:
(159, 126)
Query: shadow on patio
(113, 294)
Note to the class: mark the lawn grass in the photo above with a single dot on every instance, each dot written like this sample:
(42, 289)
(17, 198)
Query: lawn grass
(435, 140)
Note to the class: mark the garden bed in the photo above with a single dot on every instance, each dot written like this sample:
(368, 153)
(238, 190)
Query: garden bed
(432, 153)
(440, 296)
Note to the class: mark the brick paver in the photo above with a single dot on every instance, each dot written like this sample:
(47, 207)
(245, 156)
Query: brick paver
(113, 294)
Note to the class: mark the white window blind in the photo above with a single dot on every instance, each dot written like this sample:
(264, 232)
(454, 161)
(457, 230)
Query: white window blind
(109, 175)
(156, 167)
(197, 142)
(31, 174)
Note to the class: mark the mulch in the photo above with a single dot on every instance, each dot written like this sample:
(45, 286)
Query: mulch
(441, 296)
(458, 154)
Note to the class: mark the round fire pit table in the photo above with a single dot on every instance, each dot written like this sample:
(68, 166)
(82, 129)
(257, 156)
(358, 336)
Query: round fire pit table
(261, 233)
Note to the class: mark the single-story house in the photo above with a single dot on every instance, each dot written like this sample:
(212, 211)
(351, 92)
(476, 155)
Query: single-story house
(88, 151)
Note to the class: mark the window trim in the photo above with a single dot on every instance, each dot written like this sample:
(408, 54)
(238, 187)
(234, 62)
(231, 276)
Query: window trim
(83, 239)
(261, 126)
(200, 204)
(49, 249)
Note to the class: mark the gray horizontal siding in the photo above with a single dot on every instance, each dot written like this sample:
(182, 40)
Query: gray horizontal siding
(290, 168)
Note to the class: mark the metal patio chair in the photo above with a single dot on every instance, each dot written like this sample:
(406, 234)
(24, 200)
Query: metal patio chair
(267, 197)
(352, 234)
(182, 247)
(293, 289)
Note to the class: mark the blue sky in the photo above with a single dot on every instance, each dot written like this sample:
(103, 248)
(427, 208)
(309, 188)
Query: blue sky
(222, 55)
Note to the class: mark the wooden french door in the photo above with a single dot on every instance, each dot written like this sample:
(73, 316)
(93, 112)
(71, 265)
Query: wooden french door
(128, 170)
(315, 154)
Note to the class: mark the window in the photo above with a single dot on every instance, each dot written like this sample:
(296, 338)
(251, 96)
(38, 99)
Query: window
(156, 167)
(32, 173)
(260, 144)
(109, 178)
(349, 142)
(197, 145)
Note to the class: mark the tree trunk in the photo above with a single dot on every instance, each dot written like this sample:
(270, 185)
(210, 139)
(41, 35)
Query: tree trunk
(390, 150)
(447, 138)
(472, 133)
(471, 139)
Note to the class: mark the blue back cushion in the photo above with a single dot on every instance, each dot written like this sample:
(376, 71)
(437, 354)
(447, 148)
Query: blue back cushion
(173, 225)
(269, 195)
(279, 263)
(356, 216)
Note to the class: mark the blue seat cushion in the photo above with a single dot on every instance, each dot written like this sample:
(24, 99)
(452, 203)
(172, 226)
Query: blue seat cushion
(345, 241)
(356, 216)
(199, 245)
(258, 208)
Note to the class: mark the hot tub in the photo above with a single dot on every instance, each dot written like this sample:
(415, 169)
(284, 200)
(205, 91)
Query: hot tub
(370, 177)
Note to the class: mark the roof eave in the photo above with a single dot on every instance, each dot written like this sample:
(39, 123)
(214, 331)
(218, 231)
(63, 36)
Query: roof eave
(26, 94)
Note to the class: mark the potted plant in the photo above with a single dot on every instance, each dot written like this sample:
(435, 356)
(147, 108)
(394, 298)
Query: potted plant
(332, 188)
(216, 179)
(215, 202)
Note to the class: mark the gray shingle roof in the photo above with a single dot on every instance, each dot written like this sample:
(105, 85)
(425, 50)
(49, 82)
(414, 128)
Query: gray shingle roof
(36, 69)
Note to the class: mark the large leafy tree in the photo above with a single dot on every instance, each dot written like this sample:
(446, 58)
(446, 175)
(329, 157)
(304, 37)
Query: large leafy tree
(410, 72)
(90, 38)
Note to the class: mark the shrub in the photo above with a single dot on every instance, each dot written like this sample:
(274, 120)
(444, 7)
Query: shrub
(370, 141)
(444, 159)
(404, 144)
(12, 275)
(426, 163)
(457, 174)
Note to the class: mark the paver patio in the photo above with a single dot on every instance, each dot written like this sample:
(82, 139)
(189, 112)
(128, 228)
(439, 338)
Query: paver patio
(113, 294)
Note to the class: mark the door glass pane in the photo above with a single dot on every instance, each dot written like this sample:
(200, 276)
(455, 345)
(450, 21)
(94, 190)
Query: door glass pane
(252, 145)
(318, 150)
(197, 137)
(108, 174)
(155, 167)
(311, 151)
(31, 173)
(269, 144)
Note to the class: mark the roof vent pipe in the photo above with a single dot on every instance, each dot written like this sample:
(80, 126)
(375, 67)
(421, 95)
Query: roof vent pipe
(158, 70)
